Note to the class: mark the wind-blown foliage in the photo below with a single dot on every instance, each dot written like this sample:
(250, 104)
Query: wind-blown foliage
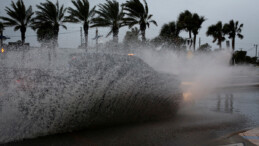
(81, 14)
(170, 30)
(137, 13)
(185, 22)
(216, 31)
(19, 17)
(169, 37)
(204, 48)
(51, 14)
(190, 23)
(197, 22)
(109, 15)
(45, 34)
(170, 34)
(233, 29)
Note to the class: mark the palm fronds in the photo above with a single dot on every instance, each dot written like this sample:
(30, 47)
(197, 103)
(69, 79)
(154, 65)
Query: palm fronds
(19, 17)
(216, 31)
(109, 15)
(233, 29)
(51, 14)
(138, 13)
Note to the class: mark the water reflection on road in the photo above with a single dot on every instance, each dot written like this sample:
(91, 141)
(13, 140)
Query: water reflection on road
(225, 103)
(243, 101)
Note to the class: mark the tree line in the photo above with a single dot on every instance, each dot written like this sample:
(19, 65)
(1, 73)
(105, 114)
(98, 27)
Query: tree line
(192, 23)
(49, 17)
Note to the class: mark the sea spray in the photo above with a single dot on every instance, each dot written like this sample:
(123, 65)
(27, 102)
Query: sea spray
(90, 90)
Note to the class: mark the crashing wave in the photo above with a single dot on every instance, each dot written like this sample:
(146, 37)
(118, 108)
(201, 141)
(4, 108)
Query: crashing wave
(95, 90)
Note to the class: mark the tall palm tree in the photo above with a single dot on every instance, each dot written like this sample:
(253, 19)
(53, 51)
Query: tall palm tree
(20, 17)
(216, 31)
(137, 13)
(197, 22)
(81, 14)
(52, 14)
(233, 29)
(109, 15)
(185, 22)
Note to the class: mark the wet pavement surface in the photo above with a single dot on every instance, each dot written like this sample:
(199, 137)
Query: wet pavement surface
(203, 121)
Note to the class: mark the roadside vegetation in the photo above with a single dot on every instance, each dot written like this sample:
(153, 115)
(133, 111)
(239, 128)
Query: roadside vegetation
(134, 14)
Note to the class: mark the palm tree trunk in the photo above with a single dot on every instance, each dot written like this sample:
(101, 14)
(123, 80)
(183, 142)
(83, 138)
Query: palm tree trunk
(143, 34)
(190, 37)
(115, 35)
(23, 30)
(143, 31)
(220, 44)
(194, 42)
(233, 43)
(86, 27)
(55, 39)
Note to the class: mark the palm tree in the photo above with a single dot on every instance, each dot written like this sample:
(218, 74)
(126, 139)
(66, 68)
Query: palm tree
(169, 34)
(20, 17)
(52, 14)
(197, 22)
(81, 14)
(190, 23)
(216, 31)
(185, 21)
(170, 30)
(45, 34)
(137, 13)
(233, 29)
(109, 15)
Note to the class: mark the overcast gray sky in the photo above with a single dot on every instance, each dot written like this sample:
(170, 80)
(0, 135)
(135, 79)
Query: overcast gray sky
(245, 11)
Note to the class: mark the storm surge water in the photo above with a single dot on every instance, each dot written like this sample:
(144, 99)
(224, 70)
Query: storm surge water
(81, 90)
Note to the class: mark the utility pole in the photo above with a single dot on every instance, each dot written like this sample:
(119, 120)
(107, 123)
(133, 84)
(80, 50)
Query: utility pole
(81, 36)
(256, 45)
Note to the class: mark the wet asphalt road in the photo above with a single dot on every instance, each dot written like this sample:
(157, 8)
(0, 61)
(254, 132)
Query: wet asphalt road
(201, 121)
